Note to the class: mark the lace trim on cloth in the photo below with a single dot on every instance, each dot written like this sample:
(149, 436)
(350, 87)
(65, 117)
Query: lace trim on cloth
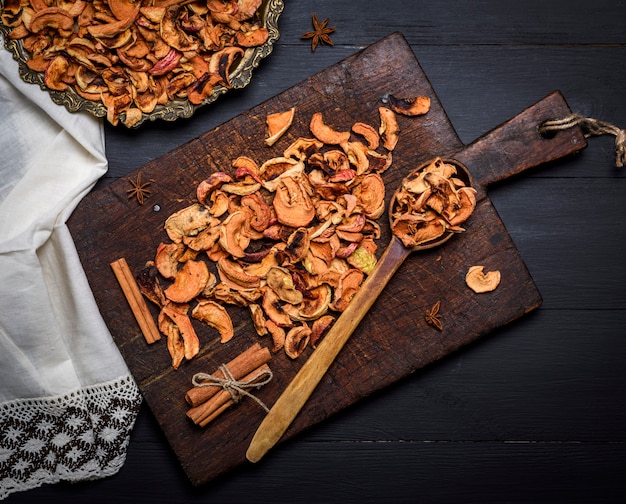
(77, 436)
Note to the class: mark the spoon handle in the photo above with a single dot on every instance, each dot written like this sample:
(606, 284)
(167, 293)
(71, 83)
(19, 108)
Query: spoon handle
(297, 392)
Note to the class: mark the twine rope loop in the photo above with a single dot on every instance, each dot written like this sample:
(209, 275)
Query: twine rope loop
(590, 127)
(236, 388)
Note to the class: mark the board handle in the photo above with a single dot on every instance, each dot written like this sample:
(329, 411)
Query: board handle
(516, 145)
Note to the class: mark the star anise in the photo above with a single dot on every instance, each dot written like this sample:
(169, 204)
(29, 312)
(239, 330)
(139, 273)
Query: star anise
(320, 34)
(139, 190)
(433, 318)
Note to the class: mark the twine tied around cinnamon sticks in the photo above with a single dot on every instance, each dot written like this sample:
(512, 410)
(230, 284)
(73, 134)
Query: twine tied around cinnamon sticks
(590, 127)
(236, 388)
(214, 393)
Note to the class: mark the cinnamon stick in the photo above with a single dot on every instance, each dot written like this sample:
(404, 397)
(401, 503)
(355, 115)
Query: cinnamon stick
(136, 301)
(246, 362)
(208, 411)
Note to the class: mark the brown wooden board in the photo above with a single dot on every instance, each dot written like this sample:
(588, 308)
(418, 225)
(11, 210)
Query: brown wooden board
(393, 340)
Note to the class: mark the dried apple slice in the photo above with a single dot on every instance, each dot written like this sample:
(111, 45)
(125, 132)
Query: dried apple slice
(189, 282)
(188, 222)
(235, 233)
(222, 61)
(11, 13)
(297, 340)
(123, 9)
(369, 133)
(51, 17)
(172, 33)
(258, 319)
(150, 286)
(413, 106)
(234, 276)
(260, 211)
(277, 123)
(319, 327)
(292, 204)
(201, 89)
(280, 280)
(177, 313)
(467, 203)
(245, 9)
(175, 343)
(371, 195)
(208, 185)
(53, 77)
(481, 282)
(215, 315)
(109, 30)
(261, 268)
(302, 148)
(326, 133)
(252, 38)
(167, 259)
(416, 230)
(167, 63)
(389, 130)
(274, 309)
(274, 170)
(204, 240)
(246, 167)
(348, 286)
(357, 156)
(315, 304)
(277, 333)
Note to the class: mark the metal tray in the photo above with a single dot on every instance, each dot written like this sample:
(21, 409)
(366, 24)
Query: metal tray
(240, 75)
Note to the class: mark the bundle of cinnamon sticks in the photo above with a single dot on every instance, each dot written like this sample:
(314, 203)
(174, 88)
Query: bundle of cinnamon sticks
(213, 394)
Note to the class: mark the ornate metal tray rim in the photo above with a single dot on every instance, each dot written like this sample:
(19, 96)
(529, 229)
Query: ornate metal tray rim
(240, 76)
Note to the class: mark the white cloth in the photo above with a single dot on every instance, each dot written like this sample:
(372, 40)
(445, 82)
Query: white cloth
(67, 400)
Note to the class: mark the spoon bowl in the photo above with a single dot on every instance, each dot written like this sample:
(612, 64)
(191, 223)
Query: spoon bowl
(410, 201)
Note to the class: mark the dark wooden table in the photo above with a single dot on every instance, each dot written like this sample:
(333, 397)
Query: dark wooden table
(535, 412)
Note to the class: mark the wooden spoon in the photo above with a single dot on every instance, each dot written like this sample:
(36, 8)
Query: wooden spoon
(296, 394)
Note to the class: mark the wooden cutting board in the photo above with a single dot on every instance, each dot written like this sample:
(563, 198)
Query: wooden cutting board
(393, 340)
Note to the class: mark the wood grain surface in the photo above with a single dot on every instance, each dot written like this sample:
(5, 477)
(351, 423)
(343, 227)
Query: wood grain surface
(535, 411)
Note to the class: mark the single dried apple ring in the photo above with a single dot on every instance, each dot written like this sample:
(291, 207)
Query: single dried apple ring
(280, 281)
(177, 313)
(371, 195)
(189, 282)
(325, 133)
(296, 340)
(234, 233)
(277, 123)
(51, 17)
(292, 204)
(414, 106)
(232, 274)
(167, 259)
(216, 316)
(261, 212)
(315, 304)
(188, 222)
(481, 282)
(369, 133)
(11, 13)
(388, 130)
